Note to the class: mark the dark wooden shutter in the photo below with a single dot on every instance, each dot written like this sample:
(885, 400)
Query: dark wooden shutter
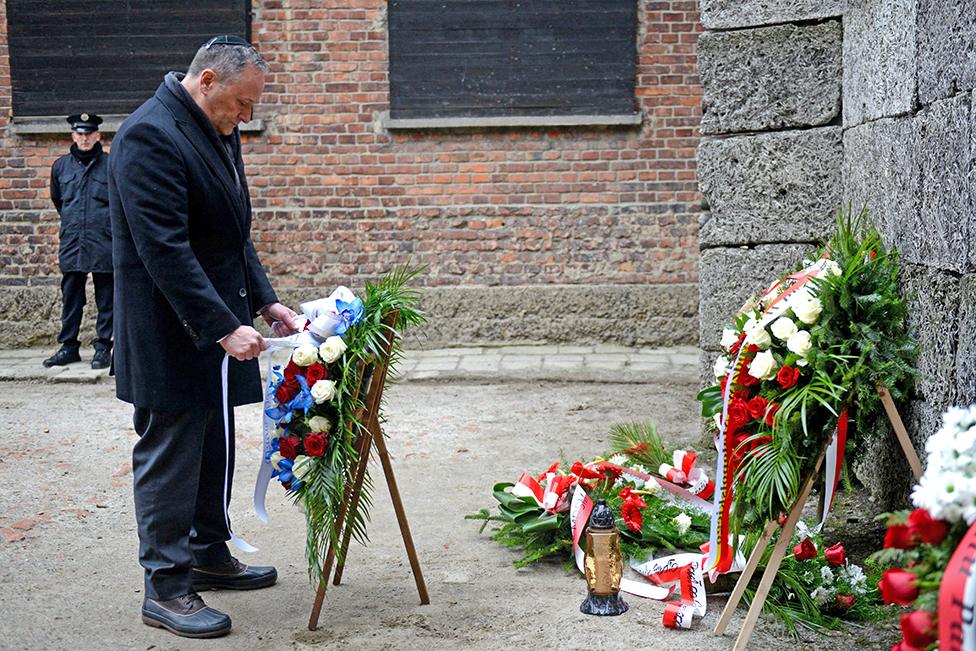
(475, 58)
(109, 56)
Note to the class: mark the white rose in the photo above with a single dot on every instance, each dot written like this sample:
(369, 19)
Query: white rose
(806, 308)
(682, 522)
(318, 423)
(301, 467)
(323, 391)
(332, 349)
(305, 355)
(759, 337)
(799, 343)
(721, 367)
(832, 268)
(763, 366)
(784, 328)
(729, 337)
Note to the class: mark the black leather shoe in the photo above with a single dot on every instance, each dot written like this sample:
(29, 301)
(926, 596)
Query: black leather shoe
(62, 358)
(187, 616)
(233, 575)
(101, 359)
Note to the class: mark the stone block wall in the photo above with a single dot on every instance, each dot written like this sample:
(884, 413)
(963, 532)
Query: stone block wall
(574, 212)
(809, 106)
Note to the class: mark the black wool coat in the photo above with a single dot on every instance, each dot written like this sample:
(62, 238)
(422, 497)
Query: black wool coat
(186, 272)
(80, 194)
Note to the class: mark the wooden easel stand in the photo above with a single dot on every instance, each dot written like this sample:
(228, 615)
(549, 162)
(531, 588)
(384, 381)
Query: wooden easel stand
(373, 435)
(783, 542)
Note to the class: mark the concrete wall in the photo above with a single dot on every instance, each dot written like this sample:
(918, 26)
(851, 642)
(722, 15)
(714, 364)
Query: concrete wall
(785, 155)
(579, 213)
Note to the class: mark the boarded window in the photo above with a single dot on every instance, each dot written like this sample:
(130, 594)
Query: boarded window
(107, 57)
(496, 58)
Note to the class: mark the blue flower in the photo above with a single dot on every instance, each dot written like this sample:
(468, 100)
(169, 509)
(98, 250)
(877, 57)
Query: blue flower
(350, 314)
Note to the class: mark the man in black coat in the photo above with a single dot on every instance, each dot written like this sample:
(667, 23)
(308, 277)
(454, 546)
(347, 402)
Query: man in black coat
(79, 192)
(188, 282)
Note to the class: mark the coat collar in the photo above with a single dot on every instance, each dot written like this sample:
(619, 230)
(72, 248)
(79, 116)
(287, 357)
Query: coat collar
(204, 139)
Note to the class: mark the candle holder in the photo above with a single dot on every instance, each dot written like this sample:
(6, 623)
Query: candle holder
(603, 564)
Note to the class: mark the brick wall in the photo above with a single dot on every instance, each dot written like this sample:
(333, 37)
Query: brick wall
(338, 198)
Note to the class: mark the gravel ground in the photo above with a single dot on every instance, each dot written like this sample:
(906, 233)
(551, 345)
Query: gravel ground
(73, 582)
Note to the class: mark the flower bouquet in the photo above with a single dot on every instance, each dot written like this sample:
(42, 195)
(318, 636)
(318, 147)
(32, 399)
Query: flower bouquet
(796, 361)
(929, 550)
(314, 405)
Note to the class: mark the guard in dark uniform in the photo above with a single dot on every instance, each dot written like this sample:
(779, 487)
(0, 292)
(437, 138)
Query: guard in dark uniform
(79, 190)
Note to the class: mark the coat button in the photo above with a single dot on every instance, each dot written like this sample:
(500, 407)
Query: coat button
(243, 292)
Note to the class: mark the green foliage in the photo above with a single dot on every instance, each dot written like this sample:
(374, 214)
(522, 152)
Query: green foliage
(326, 486)
(640, 442)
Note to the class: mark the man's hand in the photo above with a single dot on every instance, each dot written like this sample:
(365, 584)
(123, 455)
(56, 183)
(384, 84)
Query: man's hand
(281, 319)
(244, 343)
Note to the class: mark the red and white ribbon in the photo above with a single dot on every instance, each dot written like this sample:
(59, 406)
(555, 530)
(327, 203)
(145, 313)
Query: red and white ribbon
(685, 472)
(957, 598)
(548, 497)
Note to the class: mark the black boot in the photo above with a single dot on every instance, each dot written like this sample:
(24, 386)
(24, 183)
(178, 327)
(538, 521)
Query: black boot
(102, 358)
(233, 575)
(63, 357)
(187, 616)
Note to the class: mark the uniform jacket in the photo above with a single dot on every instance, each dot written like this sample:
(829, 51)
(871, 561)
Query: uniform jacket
(186, 272)
(80, 193)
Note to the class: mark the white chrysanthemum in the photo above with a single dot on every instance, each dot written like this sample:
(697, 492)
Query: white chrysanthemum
(854, 576)
(826, 574)
(682, 522)
(652, 487)
(729, 337)
(618, 459)
(822, 596)
(783, 328)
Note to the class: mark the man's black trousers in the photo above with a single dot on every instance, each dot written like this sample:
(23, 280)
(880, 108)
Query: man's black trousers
(73, 304)
(178, 478)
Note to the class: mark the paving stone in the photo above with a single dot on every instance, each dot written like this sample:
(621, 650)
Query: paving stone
(769, 188)
(726, 14)
(513, 362)
(770, 77)
(879, 59)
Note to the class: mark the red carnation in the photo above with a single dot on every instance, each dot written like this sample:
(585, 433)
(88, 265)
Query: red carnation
(835, 554)
(291, 370)
(287, 390)
(805, 550)
(899, 536)
(288, 446)
(788, 376)
(632, 515)
(844, 601)
(771, 414)
(315, 444)
(926, 528)
(898, 587)
(757, 407)
(316, 372)
(918, 628)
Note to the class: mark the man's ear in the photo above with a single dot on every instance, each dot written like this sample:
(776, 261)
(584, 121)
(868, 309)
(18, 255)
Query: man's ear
(208, 79)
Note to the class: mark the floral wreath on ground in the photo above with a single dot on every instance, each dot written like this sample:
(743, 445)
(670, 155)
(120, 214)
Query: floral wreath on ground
(316, 405)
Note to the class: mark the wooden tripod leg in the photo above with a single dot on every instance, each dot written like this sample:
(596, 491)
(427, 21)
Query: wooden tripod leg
(744, 578)
(357, 489)
(401, 515)
(906, 443)
(313, 620)
(779, 551)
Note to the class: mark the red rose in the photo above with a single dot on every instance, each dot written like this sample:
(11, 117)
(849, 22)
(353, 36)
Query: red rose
(746, 378)
(899, 536)
(926, 528)
(771, 414)
(788, 376)
(738, 414)
(805, 550)
(782, 519)
(315, 444)
(757, 407)
(918, 628)
(291, 370)
(898, 587)
(835, 554)
(288, 446)
(315, 372)
(904, 646)
(753, 348)
(287, 390)
(844, 601)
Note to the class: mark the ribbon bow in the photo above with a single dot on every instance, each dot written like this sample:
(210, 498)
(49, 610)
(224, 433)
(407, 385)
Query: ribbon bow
(550, 497)
(685, 472)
